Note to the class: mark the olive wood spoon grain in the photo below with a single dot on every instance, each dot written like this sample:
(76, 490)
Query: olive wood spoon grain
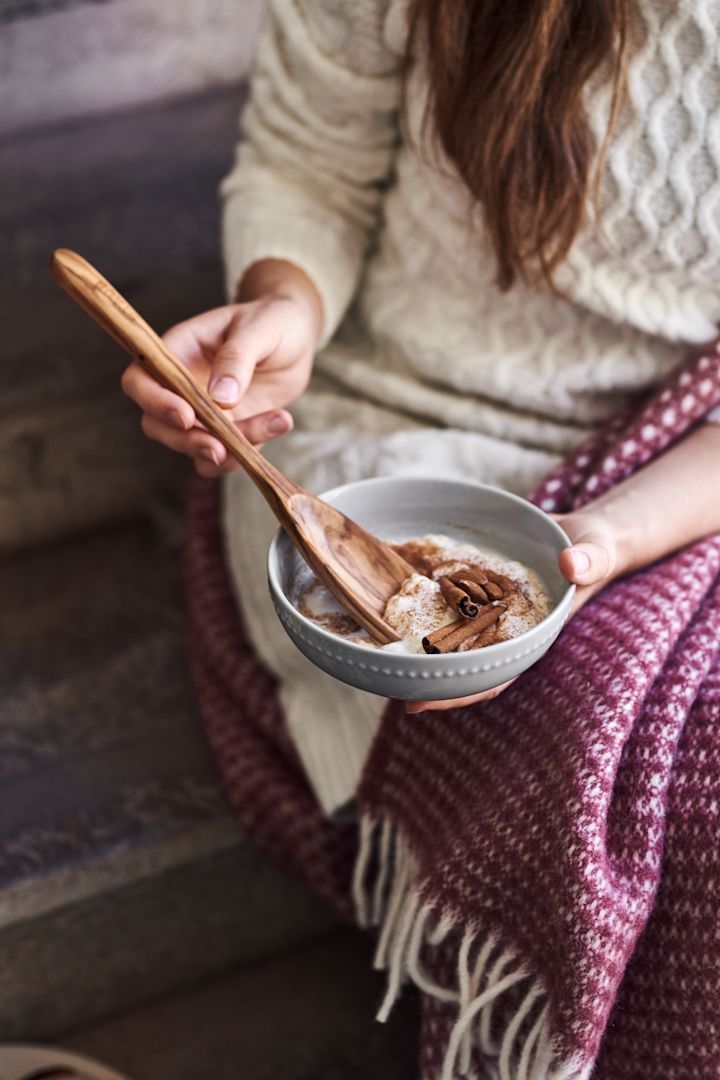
(360, 570)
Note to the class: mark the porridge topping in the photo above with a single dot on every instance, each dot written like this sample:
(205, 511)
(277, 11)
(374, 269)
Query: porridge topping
(459, 598)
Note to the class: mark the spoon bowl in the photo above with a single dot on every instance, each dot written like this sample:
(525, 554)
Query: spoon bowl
(404, 508)
(360, 570)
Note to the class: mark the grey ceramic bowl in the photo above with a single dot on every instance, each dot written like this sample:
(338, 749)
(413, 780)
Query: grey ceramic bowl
(405, 507)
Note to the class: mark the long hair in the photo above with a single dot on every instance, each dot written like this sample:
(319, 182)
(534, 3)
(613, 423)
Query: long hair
(506, 103)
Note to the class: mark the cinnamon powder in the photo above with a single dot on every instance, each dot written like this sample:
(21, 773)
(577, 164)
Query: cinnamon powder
(419, 607)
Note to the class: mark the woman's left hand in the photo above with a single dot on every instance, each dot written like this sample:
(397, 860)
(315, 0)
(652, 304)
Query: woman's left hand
(671, 502)
(594, 559)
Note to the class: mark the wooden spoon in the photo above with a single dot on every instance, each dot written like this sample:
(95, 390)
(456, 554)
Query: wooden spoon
(360, 571)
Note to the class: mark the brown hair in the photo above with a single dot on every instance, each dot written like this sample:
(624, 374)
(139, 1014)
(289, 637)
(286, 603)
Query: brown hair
(506, 81)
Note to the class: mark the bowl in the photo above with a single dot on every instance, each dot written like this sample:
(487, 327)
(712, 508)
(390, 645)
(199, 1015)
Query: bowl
(401, 508)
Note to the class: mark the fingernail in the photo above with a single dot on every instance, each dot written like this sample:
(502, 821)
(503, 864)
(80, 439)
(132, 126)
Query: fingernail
(278, 424)
(209, 455)
(177, 420)
(412, 709)
(581, 562)
(225, 389)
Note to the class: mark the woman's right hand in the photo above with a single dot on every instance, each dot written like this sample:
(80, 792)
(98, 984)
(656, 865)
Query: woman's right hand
(255, 357)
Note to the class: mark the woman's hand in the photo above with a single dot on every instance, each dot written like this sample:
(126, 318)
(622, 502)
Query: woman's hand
(598, 554)
(671, 502)
(254, 356)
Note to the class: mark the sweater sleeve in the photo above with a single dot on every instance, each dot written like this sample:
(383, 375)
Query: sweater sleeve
(321, 129)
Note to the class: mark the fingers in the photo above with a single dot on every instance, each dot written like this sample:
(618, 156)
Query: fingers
(200, 334)
(211, 457)
(155, 400)
(414, 707)
(196, 443)
(593, 558)
(248, 341)
(587, 563)
(230, 344)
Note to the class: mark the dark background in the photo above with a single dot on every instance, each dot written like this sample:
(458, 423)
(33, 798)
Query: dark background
(135, 921)
(23, 9)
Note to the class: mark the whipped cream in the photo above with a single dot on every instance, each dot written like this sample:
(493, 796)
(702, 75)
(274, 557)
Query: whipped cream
(419, 607)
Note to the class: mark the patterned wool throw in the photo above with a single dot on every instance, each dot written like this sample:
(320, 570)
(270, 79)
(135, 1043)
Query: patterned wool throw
(544, 867)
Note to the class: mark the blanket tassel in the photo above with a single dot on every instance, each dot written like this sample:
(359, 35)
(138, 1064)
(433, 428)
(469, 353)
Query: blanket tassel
(385, 893)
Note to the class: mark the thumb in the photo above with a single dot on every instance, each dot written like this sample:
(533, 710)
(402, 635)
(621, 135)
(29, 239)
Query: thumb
(593, 557)
(588, 562)
(247, 342)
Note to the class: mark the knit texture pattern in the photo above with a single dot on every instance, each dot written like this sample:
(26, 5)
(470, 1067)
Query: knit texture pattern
(543, 866)
(263, 777)
(433, 371)
(573, 781)
(330, 178)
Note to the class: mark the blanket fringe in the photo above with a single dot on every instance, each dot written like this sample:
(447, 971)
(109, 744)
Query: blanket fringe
(386, 894)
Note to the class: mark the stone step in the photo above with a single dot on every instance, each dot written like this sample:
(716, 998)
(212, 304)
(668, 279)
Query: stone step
(61, 59)
(122, 873)
(135, 193)
(308, 1015)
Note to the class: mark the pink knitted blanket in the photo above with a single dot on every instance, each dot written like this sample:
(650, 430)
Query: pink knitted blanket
(545, 867)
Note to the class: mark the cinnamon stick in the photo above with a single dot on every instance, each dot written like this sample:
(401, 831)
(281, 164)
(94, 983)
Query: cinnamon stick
(472, 574)
(505, 583)
(472, 587)
(494, 585)
(466, 628)
(494, 590)
(457, 598)
(449, 638)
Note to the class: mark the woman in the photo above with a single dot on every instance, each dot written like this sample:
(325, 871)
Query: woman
(494, 225)
(474, 231)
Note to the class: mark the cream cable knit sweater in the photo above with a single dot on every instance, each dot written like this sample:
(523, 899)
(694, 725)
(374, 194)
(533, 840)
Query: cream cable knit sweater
(327, 178)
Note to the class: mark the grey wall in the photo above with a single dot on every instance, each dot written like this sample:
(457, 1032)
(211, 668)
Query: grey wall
(60, 59)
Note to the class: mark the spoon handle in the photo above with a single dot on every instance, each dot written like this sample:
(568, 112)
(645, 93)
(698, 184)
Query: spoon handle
(116, 316)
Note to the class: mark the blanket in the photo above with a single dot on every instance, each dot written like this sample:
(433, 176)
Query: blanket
(545, 866)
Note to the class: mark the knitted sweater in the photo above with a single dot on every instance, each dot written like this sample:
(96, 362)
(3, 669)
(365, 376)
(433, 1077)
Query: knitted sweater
(329, 178)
